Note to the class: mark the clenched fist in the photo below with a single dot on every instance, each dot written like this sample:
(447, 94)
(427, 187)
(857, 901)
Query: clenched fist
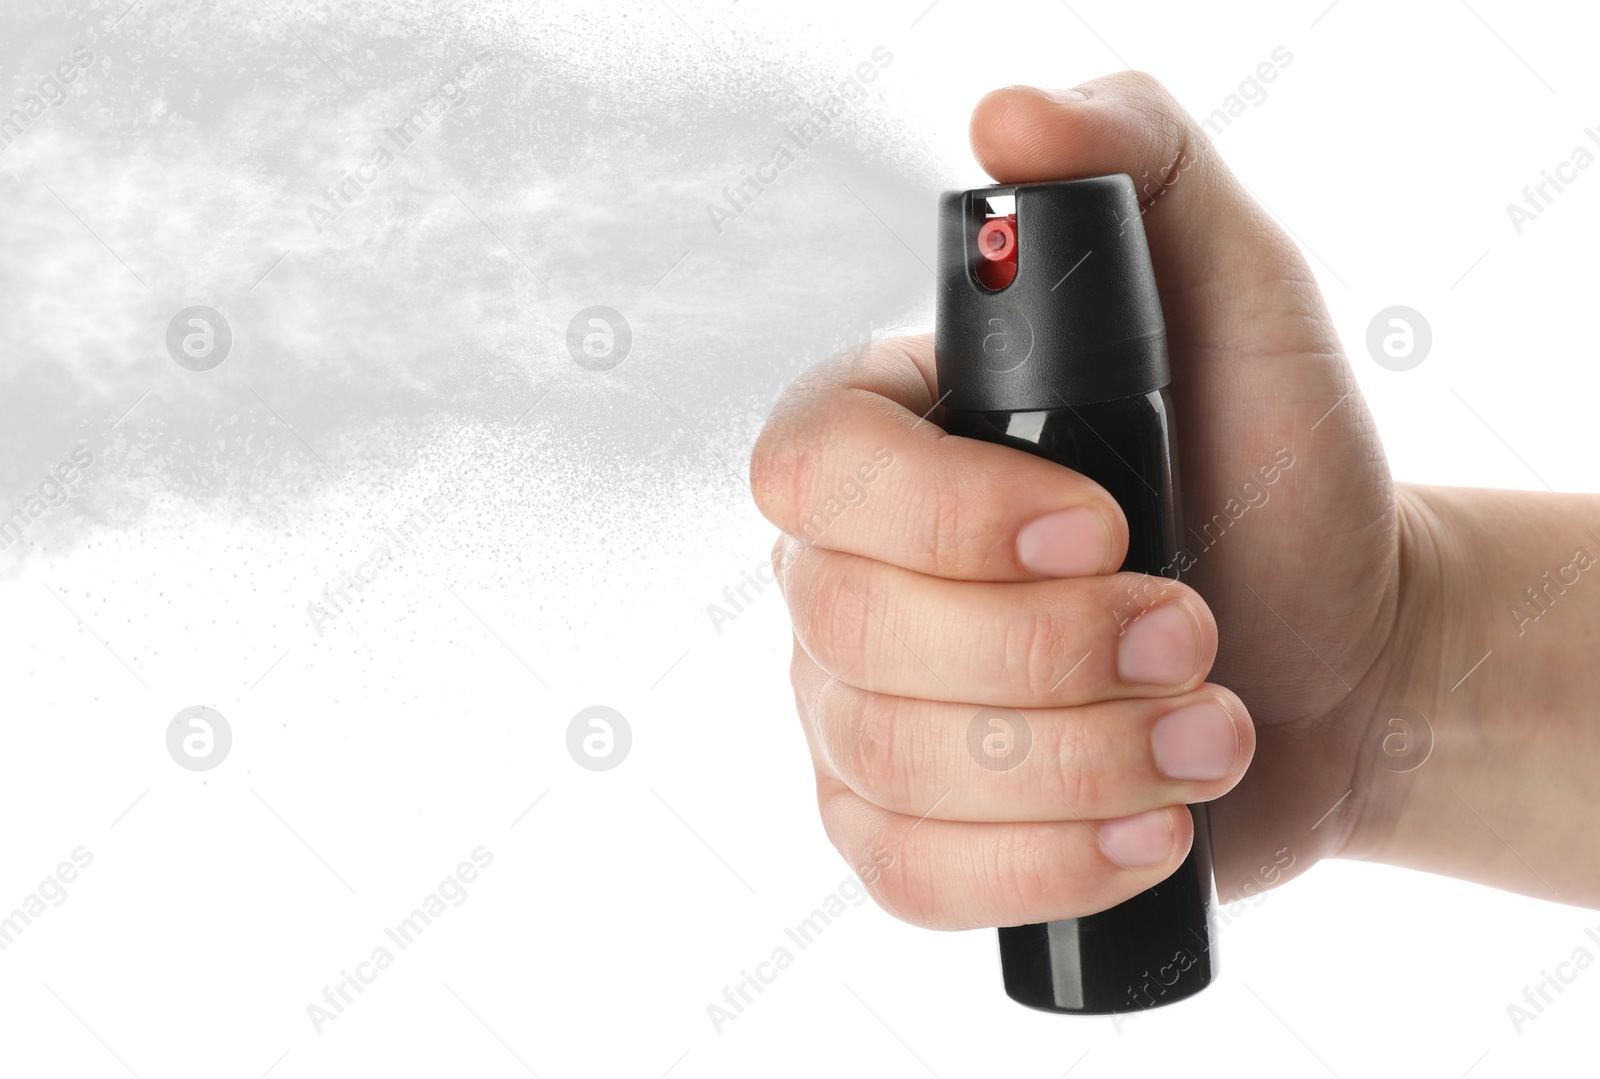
(931, 577)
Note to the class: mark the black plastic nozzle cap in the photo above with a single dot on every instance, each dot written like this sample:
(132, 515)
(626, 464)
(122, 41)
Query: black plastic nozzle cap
(1081, 320)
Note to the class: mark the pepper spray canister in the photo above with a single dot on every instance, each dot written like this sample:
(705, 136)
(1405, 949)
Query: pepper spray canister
(1049, 338)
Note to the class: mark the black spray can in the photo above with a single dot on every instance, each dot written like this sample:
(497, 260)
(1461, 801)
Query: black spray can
(1049, 338)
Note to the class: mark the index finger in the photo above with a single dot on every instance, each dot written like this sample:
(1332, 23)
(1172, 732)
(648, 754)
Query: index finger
(852, 459)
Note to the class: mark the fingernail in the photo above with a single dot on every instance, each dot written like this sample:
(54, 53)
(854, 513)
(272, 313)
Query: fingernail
(1067, 543)
(1144, 839)
(1161, 648)
(1064, 96)
(1197, 742)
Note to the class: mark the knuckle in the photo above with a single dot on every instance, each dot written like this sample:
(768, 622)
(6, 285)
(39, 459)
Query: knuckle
(1019, 872)
(1156, 102)
(1035, 642)
(941, 527)
(1145, 82)
(877, 752)
(1008, 877)
(769, 472)
(784, 458)
(906, 883)
(801, 672)
(917, 887)
(1074, 777)
(802, 469)
(831, 616)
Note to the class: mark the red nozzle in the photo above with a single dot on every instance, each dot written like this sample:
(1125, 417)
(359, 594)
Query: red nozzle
(997, 240)
(997, 243)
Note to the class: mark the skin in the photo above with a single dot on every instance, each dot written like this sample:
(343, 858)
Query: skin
(1340, 599)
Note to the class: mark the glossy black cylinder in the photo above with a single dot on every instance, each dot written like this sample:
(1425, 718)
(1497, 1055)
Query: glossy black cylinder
(1156, 948)
(1066, 358)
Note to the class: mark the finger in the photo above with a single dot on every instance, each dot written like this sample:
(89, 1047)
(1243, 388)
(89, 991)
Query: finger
(1223, 264)
(1037, 645)
(963, 875)
(1257, 368)
(954, 762)
(853, 470)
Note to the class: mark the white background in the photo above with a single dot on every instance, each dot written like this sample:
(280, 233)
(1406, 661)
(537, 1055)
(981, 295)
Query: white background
(369, 759)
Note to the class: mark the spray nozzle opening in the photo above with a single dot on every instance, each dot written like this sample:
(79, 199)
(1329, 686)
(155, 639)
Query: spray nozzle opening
(996, 241)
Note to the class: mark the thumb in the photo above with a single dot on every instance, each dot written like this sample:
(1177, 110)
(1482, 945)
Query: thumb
(1255, 358)
(1227, 272)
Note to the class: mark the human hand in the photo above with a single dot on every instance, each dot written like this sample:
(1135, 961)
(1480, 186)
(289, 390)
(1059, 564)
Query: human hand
(969, 575)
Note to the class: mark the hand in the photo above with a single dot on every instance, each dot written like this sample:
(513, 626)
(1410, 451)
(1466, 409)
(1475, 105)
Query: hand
(929, 576)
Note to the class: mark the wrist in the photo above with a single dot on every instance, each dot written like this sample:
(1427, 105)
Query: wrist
(1393, 716)
(1495, 625)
